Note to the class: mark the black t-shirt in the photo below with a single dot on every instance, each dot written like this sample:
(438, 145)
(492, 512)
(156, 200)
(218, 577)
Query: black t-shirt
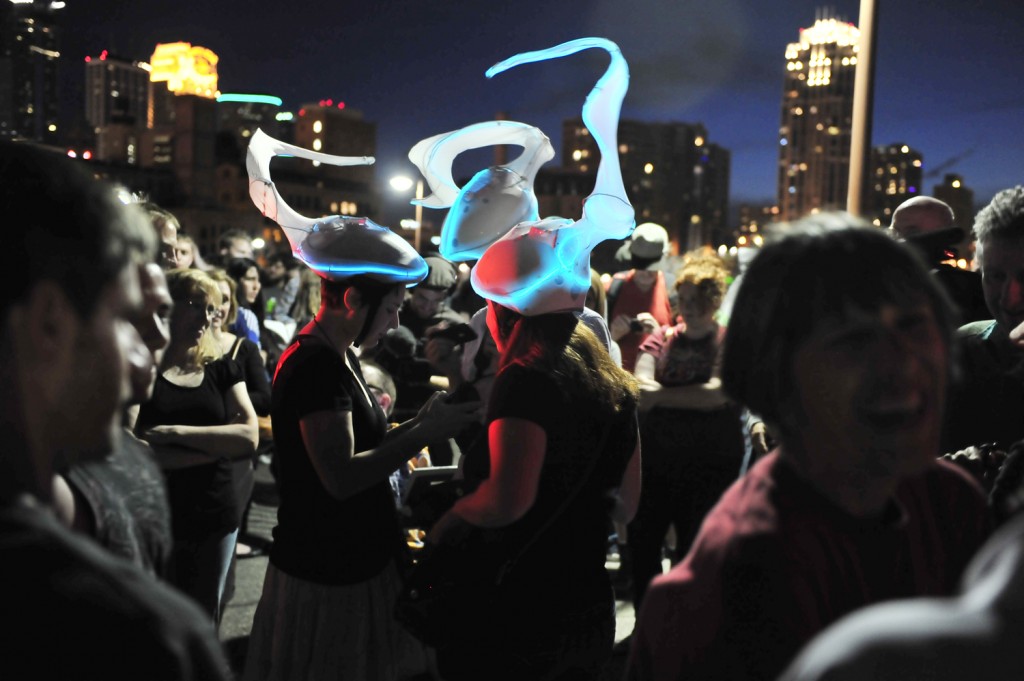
(126, 496)
(566, 564)
(254, 372)
(73, 611)
(318, 537)
(202, 497)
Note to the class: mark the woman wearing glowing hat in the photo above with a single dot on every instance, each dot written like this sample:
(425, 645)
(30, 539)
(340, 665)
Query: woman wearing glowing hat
(326, 608)
(563, 440)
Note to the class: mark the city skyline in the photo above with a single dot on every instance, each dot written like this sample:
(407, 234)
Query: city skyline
(946, 79)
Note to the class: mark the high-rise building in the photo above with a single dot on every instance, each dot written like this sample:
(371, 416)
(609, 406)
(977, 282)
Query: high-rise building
(186, 68)
(817, 116)
(239, 115)
(960, 198)
(673, 175)
(333, 128)
(895, 176)
(116, 90)
(179, 69)
(29, 55)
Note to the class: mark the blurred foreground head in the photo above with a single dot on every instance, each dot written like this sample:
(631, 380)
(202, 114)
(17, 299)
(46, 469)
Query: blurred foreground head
(66, 331)
(838, 331)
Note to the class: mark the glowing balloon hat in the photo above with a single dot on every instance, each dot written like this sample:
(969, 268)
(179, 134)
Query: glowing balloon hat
(335, 247)
(544, 265)
(496, 199)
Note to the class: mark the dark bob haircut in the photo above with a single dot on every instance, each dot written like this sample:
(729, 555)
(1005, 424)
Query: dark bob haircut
(820, 269)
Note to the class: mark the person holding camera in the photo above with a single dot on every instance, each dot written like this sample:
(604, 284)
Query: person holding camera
(638, 300)
(929, 226)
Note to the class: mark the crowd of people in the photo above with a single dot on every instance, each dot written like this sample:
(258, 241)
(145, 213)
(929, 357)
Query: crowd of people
(828, 450)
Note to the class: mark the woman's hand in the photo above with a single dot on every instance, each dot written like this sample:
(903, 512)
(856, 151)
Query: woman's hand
(438, 419)
(759, 438)
(449, 529)
(161, 435)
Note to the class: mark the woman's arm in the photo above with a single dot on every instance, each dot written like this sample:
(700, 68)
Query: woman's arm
(236, 439)
(517, 449)
(256, 382)
(701, 396)
(330, 443)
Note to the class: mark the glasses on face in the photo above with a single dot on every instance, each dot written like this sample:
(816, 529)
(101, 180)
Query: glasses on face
(202, 305)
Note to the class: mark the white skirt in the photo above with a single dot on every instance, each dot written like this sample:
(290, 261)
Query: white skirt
(304, 630)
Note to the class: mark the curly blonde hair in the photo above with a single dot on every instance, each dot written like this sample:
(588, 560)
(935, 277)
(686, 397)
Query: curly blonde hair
(708, 273)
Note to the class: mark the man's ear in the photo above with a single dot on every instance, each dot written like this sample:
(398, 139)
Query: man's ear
(353, 299)
(48, 322)
(385, 402)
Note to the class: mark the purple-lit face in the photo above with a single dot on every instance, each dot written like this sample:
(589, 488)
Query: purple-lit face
(1002, 279)
(878, 406)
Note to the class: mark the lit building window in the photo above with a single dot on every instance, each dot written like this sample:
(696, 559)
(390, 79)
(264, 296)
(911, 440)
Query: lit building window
(577, 154)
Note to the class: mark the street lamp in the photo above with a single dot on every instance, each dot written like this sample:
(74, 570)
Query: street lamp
(403, 183)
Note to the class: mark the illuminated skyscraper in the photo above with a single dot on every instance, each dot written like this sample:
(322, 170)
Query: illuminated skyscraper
(896, 175)
(817, 113)
(29, 56)
(116, 90)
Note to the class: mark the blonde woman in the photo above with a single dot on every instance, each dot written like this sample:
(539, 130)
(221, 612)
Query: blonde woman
(198, 421)
(693, 442)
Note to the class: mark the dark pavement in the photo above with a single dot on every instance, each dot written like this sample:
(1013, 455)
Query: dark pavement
(237, 619)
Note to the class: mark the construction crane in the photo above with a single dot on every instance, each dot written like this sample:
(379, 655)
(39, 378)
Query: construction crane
(947, 164)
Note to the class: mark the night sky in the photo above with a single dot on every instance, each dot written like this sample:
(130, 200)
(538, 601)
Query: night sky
(949, 73)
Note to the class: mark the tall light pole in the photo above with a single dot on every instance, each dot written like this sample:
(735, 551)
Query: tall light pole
(863, 104)
(403, 183)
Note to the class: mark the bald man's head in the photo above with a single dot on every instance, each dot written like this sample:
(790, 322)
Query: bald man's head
(920, 216)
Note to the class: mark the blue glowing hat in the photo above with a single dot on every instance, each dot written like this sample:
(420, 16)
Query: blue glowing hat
(543, 266)
(335, 247)
(496, 199)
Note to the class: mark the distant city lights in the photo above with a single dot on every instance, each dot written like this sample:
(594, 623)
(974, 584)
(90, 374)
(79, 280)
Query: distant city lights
(327, 103)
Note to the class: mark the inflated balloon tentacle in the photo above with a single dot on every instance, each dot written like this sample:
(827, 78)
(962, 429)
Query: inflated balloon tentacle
(263, 148)
(435, 155)
(611, 213)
